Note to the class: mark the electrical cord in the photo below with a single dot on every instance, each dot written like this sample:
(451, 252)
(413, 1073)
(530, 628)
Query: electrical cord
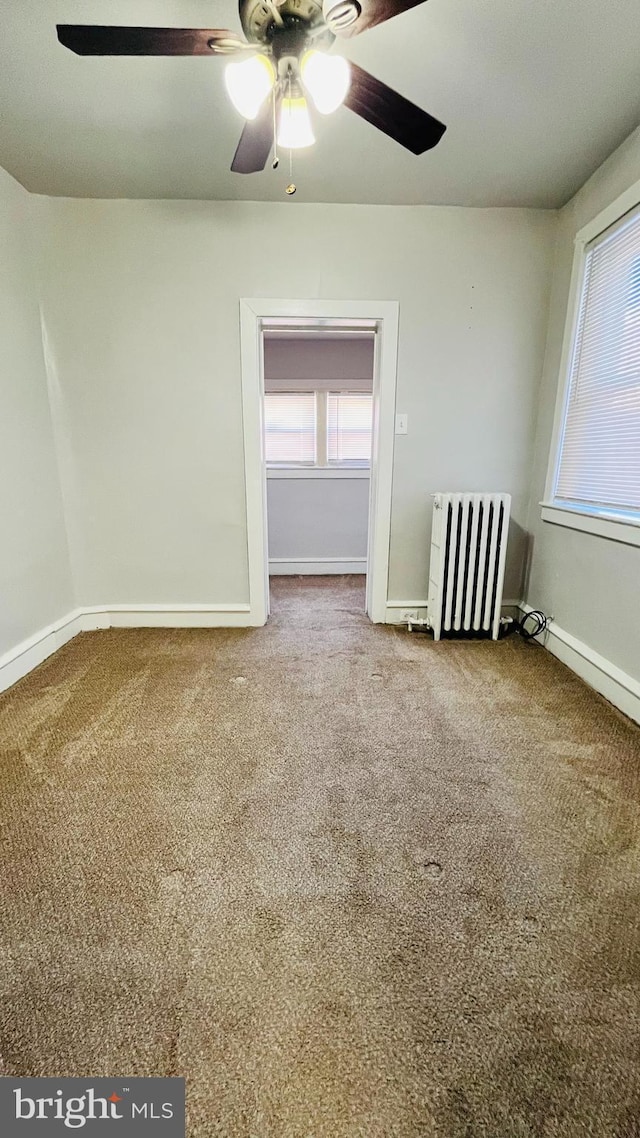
(533, 624)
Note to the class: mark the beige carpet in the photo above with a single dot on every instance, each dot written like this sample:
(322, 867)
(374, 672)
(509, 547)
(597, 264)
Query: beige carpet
(346, 881)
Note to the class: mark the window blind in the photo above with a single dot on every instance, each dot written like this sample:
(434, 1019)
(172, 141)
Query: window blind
(290, 427)
(319, 364)
(599, 463)
(349, 420)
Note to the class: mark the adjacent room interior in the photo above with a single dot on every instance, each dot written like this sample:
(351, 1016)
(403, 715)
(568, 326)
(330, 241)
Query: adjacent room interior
(318, 422)
(320, 564)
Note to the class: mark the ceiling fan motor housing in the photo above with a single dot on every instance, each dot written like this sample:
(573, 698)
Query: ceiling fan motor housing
(285, 27)
(289, 40)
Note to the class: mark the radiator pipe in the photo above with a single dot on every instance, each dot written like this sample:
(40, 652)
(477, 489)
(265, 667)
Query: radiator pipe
(418, 623)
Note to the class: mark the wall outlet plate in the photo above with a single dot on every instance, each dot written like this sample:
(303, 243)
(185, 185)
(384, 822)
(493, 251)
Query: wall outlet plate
(409, 614)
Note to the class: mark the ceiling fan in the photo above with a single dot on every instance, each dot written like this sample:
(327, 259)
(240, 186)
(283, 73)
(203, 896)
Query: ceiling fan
(285, 58)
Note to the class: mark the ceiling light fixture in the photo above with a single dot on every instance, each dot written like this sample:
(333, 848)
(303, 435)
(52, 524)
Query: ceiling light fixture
(342, 14)
(278, 36)
(294, 126)
(327, 79)
(248, 83)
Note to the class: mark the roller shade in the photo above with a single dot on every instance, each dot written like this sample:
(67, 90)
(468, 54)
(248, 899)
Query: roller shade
(319, 365)
(599, 463)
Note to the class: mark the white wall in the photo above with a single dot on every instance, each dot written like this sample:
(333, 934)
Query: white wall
(590, 584)
(141, 308)
(317, 519)
(35, 578)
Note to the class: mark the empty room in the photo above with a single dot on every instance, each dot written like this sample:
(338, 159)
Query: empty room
(320, 568)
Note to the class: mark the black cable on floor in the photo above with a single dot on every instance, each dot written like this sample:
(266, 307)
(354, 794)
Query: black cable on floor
(532, 624)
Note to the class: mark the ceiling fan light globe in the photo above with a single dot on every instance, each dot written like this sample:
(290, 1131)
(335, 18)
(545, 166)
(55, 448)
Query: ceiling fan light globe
(326, 78)
(248, 83)
(294, 125)
(340, 14)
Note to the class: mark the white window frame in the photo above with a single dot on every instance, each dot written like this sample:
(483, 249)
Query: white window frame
(300, 465)
(321, 467)
(602, 523)
(357, 464)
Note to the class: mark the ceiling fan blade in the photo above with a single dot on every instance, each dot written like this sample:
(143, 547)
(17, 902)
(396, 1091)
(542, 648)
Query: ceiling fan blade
(255, 142)
(372, 12)
(390, 112)
(90, 39)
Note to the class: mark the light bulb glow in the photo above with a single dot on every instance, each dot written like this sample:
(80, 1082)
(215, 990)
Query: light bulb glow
(248, 83)
(327, 79)
(294, 127)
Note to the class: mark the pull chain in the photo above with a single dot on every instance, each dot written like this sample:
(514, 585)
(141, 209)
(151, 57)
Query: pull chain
(276, 160)
(291, 188)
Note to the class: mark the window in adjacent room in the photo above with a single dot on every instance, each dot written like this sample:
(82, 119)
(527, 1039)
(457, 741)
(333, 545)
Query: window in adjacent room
(318, 428)
(349, 428)
(597, 469)
(290, 428)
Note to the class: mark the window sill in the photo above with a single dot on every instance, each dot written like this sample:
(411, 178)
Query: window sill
(602, 525)
(318, 472)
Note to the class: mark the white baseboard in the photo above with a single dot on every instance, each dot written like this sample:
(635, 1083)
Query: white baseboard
(26, 656)
(283, 566)
(397, 609)
(18, 661)
(617, 686)
(621, 689)
(168, 616)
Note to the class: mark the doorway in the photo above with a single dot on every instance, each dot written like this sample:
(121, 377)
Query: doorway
(317, 421)
(321, 449)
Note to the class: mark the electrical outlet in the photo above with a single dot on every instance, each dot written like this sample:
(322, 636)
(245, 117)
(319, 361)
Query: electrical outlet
(409, 614)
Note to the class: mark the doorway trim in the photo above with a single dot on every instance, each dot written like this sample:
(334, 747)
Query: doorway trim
(383, 318)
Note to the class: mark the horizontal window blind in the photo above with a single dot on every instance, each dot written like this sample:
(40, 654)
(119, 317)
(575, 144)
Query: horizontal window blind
(290, 427)
(599, 463)
(349, 418)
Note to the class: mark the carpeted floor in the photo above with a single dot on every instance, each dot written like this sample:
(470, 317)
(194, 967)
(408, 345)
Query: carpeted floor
(346, 881)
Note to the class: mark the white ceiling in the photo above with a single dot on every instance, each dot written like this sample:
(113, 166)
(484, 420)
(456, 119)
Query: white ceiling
(535, 93)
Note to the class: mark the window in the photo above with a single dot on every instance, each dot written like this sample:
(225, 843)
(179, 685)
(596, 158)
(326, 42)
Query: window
(598, 465)
(318, 428)
(290, 427)
(349, 428)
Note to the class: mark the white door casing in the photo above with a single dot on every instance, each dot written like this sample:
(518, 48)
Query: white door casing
(382, 317)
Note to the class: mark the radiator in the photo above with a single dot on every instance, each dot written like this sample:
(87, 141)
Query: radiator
(466, 572)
